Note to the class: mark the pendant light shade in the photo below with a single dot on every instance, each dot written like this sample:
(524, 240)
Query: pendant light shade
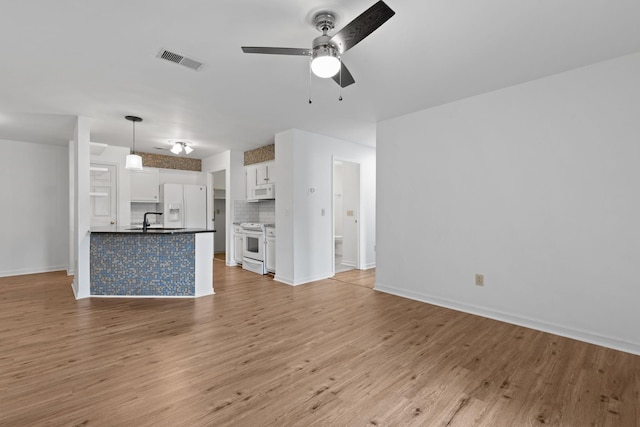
(133, 161)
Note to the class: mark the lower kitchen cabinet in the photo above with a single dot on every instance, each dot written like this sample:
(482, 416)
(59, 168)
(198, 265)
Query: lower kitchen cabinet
(237, 240)
(271, 250)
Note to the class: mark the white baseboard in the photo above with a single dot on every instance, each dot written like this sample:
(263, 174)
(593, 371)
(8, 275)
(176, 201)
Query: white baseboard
(284, 280)
(73, 288)
(302, 281)
(369, 266)
(36, 270)
(151, 296)
(551, 328)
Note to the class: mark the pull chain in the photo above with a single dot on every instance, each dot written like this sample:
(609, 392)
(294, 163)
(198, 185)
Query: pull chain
(340, 78)
(310, 101)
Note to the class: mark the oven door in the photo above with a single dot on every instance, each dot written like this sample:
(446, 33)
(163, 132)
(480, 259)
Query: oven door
(253, 245)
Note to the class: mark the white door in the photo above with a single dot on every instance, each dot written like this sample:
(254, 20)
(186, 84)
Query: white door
(104, 195)
(219, 209)
(350, 214)
(346, 215)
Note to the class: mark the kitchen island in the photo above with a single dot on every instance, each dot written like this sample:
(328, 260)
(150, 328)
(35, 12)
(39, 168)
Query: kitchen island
(158, 262)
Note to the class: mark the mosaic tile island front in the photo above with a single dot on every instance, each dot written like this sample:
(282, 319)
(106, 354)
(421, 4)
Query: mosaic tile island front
(158, 263)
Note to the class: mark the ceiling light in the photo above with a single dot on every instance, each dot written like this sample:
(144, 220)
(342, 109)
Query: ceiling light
(133, 161)
(325, 62)
(178, 146)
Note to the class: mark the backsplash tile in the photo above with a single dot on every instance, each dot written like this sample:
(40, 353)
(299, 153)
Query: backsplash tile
(263, 211)
(138, 210)
(267, 212)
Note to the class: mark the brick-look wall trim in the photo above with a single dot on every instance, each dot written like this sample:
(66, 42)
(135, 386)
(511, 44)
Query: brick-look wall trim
(259, 155)
(170, 162)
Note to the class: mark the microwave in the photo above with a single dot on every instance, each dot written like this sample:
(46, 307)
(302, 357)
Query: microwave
(263, 192)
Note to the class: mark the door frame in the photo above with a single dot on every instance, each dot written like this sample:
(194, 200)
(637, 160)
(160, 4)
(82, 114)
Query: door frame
(358, 265)
(211, 211)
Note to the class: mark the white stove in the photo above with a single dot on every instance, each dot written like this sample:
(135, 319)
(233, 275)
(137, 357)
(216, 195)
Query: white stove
(254, 247)
(255, 226)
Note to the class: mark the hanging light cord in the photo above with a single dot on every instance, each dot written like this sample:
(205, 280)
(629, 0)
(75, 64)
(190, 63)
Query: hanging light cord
(134, 137)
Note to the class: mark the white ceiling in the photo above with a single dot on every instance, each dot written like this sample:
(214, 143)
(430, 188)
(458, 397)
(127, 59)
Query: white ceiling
(98, 59)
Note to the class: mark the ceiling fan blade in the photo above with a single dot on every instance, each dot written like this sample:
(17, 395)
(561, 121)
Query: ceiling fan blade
(362, 26)
(277, 50)
(343, 77)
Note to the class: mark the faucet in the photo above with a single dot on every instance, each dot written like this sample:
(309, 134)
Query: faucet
(145, 221)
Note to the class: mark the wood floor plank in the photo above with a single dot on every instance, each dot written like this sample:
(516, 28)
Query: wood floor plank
(262, 353)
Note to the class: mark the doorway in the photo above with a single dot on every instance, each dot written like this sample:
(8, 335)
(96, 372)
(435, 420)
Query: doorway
(218, 209)
(346, 215)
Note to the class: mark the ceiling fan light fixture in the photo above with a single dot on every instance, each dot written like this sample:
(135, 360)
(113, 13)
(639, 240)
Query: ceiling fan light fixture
(325, 62)
(178, 146)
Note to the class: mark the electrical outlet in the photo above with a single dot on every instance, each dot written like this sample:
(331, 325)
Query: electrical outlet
(479, 279)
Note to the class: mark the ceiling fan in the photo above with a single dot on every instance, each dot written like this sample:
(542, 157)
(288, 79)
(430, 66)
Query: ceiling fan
(326, 50)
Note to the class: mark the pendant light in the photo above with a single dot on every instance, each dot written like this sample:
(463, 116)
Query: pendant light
(133, 162)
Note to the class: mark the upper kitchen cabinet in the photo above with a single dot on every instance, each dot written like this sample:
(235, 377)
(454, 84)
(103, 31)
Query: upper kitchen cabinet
(265, 173)
(145, 185)
(258, 174)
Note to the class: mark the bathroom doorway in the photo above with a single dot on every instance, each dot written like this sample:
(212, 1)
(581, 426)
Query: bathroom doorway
(218, 209)
(346, 215)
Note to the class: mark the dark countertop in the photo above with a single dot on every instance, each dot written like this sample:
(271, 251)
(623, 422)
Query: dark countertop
(151, 230)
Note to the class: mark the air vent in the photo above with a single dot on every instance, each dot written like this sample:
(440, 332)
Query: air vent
(179, 59)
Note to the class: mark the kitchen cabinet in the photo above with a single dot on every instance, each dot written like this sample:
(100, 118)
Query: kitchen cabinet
(145, 185)
(259, 173)
(270, 257)
(237, 243)
(265, 173)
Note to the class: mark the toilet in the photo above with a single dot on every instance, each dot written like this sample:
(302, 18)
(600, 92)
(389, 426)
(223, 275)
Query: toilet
(337, 241)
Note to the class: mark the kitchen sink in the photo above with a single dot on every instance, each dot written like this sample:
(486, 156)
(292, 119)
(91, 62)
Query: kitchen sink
(156, 228)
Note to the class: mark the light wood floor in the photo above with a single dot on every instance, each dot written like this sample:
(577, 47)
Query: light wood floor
(366, 278)
(260, 353)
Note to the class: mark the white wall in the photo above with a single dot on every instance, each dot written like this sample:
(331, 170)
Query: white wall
(537, 187)
(232, 162)
(82, 215)
(34, 221)
(305, 237)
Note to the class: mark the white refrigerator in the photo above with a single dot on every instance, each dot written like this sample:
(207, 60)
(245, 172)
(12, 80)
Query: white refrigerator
(183, 206)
